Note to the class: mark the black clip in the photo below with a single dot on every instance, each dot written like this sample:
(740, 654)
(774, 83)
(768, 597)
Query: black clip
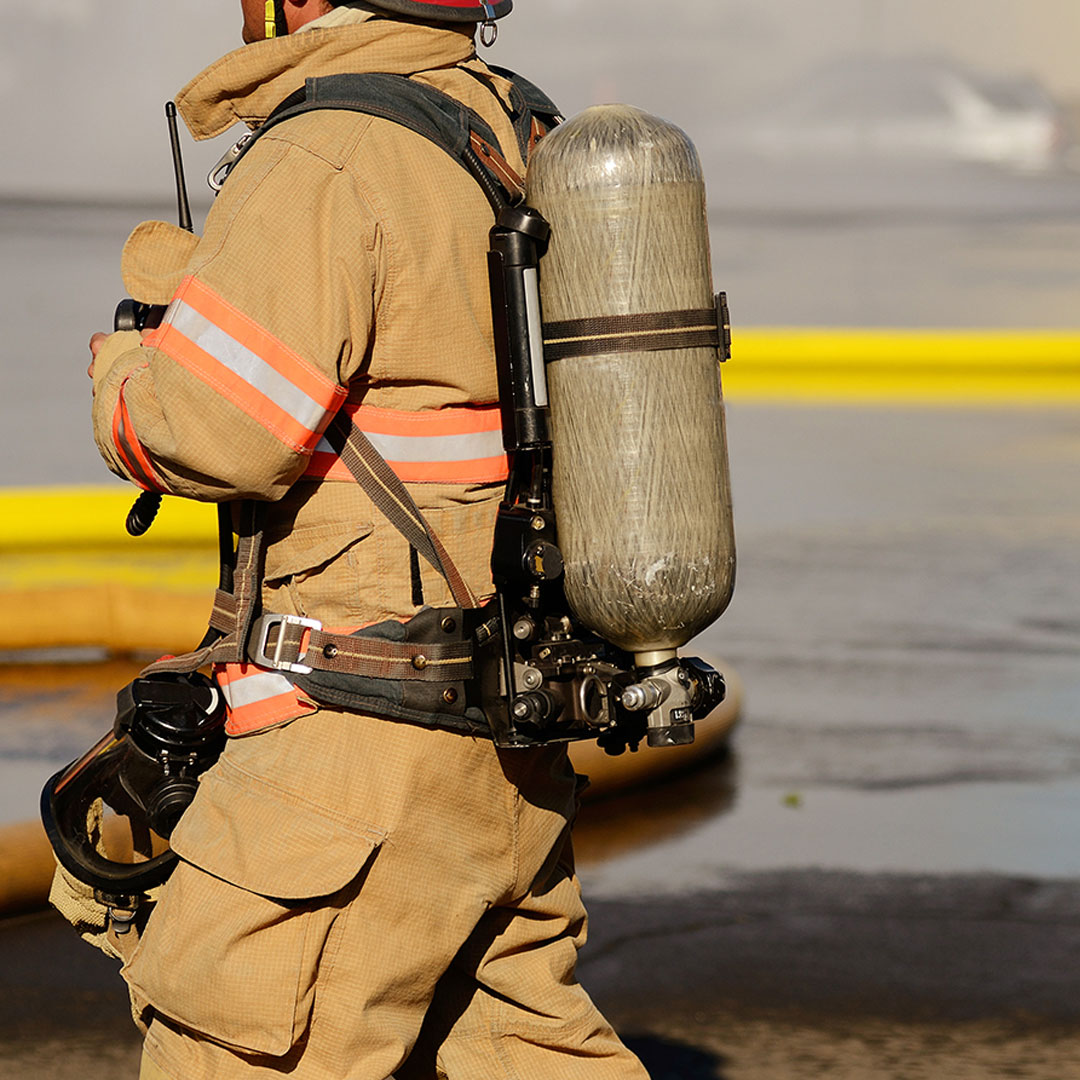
(723, 324)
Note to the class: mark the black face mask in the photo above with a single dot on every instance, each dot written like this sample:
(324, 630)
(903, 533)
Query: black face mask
(109, 814)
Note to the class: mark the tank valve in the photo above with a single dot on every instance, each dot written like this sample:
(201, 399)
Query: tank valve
(649, 694)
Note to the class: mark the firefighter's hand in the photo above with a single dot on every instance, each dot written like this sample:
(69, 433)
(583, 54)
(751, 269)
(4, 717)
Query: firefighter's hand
(96, 341)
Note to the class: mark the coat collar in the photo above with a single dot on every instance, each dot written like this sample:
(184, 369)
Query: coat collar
(246, 84)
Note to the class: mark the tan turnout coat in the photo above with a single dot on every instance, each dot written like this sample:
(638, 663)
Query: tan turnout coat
(359, 250)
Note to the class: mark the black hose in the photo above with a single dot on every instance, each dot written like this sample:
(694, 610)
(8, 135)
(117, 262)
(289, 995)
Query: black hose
(142, 513)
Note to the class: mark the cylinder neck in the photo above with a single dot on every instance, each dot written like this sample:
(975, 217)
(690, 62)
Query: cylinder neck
(654, 657)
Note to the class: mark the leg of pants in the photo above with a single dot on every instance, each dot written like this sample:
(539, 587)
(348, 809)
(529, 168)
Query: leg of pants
(510, 1006)
(459, 852)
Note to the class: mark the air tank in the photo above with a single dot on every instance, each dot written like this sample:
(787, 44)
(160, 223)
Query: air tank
(640, 473)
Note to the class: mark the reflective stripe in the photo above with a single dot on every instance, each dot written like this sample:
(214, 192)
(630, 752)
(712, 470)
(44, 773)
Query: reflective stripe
(454, 445)
(255, 371)
(252, 684)
(257, 698)
(246, 364)
(127, 444)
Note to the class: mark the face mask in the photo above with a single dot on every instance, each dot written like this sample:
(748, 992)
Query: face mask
(109, 814)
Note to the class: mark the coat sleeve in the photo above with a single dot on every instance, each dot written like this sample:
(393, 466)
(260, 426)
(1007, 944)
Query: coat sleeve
(229, 397)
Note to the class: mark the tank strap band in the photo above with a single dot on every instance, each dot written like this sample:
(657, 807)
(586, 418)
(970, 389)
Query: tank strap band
(650, 332)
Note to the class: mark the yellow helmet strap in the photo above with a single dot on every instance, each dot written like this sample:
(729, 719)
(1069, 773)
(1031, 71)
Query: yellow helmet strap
(271, 19)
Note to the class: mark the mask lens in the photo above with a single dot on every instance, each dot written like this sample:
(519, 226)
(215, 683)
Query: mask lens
(98, 828)
(109, 814)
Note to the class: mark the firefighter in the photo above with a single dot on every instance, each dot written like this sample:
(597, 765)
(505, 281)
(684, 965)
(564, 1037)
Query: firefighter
(355, 896)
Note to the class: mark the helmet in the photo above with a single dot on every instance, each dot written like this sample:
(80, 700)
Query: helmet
(447, 10)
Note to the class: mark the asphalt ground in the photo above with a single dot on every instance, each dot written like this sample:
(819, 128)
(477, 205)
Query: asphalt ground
(789, 975)
(882, 878)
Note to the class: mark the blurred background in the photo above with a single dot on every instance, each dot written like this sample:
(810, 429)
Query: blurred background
(869, 162)
(894, 834)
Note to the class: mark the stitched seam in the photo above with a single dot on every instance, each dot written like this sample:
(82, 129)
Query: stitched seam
(346, 151)
(242, 202)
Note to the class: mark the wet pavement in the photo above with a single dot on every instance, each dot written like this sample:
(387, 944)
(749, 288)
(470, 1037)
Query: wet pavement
(882, 878)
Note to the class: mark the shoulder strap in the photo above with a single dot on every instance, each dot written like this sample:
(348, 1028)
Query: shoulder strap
(443, 120)
(534, 113)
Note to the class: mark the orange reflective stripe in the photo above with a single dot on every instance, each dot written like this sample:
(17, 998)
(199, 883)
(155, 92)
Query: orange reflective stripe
(127, 443)
(257, 698)
(454, 445)
(247, 365)
(249, 333)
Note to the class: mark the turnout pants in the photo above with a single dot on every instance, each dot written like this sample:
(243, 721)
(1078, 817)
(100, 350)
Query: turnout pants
(362, 899)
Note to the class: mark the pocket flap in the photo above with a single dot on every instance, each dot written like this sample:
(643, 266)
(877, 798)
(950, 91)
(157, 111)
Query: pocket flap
(269, 841)
(307, 548)
(154, 260)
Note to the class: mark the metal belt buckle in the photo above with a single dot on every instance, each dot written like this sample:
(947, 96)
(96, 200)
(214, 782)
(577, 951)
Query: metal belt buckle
(264, 626)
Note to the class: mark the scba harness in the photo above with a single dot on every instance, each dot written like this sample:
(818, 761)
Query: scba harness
(520, 669)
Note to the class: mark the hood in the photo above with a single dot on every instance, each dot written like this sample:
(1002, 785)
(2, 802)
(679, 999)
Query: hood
(246, 84)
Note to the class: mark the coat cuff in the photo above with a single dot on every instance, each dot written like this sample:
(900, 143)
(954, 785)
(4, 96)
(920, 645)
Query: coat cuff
(115, 345)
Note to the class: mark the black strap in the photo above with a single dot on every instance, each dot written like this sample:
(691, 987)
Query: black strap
(391, 497)
(527, 102)
(436, 116)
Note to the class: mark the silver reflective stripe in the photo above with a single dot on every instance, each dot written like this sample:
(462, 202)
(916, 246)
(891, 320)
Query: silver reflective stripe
(251, 689)
(249, 366)
(536, 336)
(468, 447)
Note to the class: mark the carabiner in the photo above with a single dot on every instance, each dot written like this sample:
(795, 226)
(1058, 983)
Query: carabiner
(488, 31)
(219, 173)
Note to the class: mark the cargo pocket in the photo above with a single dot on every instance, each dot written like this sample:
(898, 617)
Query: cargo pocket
(251, 913)
(314, 568)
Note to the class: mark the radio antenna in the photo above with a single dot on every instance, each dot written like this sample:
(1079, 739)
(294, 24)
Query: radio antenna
(183, 209)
